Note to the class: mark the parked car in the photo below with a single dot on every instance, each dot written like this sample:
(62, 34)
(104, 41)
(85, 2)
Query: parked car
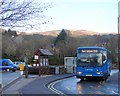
(7, 65)
(17, 63)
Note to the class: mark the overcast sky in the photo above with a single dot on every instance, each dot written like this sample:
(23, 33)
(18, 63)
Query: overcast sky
(94, 15)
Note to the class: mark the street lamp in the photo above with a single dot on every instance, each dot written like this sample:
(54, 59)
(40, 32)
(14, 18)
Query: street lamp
(119, 34)
(118, 42)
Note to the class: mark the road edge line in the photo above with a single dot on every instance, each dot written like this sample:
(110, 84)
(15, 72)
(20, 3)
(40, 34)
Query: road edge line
(49, 84)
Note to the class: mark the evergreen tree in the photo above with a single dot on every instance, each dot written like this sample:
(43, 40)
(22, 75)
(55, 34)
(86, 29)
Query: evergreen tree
(61, 37)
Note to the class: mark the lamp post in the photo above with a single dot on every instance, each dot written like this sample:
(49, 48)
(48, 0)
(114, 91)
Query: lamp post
(118, 42)
(119, 34)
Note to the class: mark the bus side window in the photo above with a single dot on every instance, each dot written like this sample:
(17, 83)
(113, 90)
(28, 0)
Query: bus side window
(104, 57)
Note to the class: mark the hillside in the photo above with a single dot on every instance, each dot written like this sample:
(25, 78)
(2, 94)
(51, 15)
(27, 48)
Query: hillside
(56, 32)
(73, 33)
(49, 33)
(16, 45)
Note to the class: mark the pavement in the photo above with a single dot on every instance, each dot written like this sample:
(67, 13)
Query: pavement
(8, 77)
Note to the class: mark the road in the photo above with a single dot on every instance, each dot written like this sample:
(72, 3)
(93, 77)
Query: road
(66, 86)
(75, 86)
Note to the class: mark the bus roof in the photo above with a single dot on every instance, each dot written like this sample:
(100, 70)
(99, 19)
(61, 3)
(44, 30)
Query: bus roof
(91, 47)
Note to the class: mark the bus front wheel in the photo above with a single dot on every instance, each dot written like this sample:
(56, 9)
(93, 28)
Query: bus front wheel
(82, 79)
(104, 78)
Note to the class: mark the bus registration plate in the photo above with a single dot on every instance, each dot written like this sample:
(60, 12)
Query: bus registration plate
(88, 75)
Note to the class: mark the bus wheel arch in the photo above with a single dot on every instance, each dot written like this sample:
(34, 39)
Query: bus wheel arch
(105, 77)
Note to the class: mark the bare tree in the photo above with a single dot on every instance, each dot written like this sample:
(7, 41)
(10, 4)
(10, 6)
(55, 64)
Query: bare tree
(23, 13)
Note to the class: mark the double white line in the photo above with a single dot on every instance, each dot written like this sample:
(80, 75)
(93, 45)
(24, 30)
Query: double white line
(51, 87)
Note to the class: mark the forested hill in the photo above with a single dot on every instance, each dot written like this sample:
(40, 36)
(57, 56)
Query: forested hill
(61, 43)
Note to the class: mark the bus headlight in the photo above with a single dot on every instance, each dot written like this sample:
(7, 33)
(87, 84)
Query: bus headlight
(79, 72)
(99, 73)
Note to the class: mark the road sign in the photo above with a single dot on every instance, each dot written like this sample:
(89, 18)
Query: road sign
(36, 57)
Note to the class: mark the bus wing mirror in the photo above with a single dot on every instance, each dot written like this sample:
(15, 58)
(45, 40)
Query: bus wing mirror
(103, 58)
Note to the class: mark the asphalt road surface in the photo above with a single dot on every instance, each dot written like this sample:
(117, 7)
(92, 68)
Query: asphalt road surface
(66, 86)
(76, 86)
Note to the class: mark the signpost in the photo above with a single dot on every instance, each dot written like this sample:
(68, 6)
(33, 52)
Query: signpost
(39, 64)
(37, 58)
(26, 67)
(26, 63)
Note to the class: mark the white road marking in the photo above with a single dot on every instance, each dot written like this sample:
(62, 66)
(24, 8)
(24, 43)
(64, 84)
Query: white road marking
(114, 71)
(114, 92)
(68, 88)
(51, 87)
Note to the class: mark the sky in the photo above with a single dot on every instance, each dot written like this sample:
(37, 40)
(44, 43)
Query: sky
(94, 15)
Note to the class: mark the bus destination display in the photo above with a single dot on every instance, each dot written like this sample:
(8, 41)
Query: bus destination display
(89, 51)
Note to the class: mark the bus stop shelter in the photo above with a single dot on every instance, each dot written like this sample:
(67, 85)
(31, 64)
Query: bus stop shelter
(41, 62)
(41, 55)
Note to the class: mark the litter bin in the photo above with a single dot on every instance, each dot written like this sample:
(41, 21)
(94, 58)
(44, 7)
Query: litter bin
(52, 70)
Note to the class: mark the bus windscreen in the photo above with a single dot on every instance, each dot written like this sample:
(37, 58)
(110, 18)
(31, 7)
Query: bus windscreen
(89, 59)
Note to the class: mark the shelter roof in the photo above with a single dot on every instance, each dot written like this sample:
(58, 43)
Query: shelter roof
(43, 52)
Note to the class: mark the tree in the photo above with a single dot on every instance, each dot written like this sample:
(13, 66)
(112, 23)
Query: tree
(22, 13)
(61, 37)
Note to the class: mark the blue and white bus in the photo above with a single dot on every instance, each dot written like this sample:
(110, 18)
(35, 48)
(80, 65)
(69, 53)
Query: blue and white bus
(93, 62)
